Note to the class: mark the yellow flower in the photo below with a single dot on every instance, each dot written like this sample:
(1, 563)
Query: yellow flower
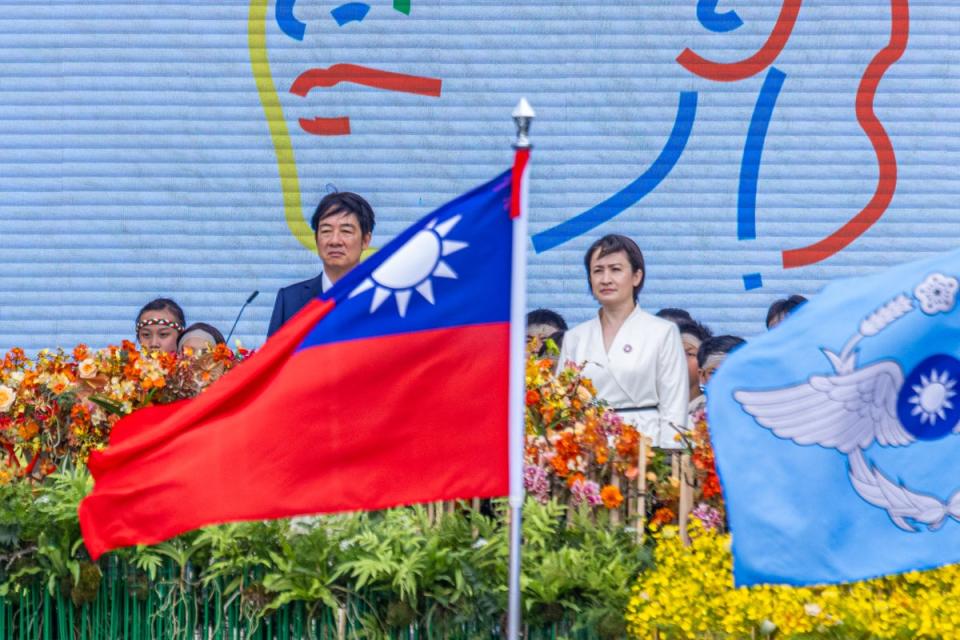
(7, 396)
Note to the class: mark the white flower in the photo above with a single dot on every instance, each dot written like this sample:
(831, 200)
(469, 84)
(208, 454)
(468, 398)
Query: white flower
(767, 627)
(7, 396)
(937, 293)
(480, 543)
(812, 609)
(87, 368)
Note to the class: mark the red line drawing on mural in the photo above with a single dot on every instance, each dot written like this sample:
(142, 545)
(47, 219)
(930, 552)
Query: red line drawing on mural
(886, 158)
(366, 76)
(326, 126)
(763, 58)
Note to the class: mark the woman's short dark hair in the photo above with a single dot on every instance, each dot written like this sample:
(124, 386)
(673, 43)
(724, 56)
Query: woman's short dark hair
(784, 307)
(547, 317)
(208, 328)
(344, 202)
(612, 243)
(163, 304)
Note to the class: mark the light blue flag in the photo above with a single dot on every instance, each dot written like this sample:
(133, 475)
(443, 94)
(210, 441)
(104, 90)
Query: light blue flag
(836, 434)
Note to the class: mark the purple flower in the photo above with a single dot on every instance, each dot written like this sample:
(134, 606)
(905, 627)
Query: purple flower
(536, 483)
(710, 517)
(585, 492)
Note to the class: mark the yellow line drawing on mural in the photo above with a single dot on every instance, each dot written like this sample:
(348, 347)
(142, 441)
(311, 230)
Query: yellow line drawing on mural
(282, 146)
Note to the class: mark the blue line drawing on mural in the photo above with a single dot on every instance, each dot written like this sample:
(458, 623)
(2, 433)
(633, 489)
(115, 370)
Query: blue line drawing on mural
(633, 192)
(717, 22)
(752, 153)
(288, 23)
(750, 164)
(350, 12)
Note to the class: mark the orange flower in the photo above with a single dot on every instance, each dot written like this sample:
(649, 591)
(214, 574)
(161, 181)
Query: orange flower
(158, 382)
(601, 454)
(547, 413)
(81, 352)
(628, 444)
(611, 496)
(663, 515)
(574, 478)
(222, 354)
(80, 413)
(567, 446)
(28, 430)
(532, 397)
(711, 486)
(559, 465)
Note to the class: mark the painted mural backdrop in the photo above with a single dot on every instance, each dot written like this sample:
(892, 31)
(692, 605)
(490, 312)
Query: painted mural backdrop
(753, 149)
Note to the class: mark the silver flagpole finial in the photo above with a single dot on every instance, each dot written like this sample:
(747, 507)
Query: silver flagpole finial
(523, 116)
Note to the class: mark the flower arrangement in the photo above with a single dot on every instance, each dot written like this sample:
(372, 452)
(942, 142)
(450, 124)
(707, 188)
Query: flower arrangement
(58, 407)
(689, 594)
(577, 449)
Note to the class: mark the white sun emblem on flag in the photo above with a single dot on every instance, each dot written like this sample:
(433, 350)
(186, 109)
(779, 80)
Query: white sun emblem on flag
(412, 266)
(932, 397)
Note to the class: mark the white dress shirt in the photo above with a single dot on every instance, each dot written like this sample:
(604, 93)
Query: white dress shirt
(644, 374)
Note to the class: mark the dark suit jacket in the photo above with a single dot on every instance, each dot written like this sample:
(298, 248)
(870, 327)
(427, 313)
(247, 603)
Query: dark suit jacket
(293, 298)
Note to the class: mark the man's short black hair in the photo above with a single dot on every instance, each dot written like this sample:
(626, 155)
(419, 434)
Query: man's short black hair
(715, 345)
(695, 329)
(548, 317)
(344, 202)
(674, 315)
(785, 306)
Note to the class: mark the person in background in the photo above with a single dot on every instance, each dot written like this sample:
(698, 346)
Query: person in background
(634, 358)
(546, 324)
(674, 315)
(692, 335)
(712, 353)
(343, 226)
(200, 336)
(782, 308)
(159, 325)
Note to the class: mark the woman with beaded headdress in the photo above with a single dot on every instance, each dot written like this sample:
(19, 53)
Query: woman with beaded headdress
(159, 325)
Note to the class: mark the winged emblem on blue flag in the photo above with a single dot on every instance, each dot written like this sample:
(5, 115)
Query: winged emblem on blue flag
(855, 407)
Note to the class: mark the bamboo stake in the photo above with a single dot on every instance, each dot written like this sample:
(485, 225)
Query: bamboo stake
(685, 505)
(641, 488)
(615, 513)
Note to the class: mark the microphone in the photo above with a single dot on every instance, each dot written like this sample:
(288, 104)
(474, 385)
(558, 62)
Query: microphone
(249, 300)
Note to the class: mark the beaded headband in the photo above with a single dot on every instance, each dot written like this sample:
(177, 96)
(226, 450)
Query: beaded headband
(173, 324)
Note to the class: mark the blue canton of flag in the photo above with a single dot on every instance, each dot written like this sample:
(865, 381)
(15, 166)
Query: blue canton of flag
(836, 434)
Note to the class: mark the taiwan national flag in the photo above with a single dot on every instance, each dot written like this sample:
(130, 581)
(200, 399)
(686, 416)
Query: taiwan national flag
(837, 434)
(391, 389)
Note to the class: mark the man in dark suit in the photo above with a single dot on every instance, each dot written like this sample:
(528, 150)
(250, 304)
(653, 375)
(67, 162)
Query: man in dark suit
(342, 225)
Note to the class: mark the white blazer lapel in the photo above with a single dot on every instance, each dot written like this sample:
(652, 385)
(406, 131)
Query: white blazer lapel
(624, 356)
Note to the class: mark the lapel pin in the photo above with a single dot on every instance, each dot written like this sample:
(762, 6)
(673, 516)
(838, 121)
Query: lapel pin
(627, 348)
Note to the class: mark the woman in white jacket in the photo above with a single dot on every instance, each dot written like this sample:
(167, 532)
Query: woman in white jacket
(634, 358)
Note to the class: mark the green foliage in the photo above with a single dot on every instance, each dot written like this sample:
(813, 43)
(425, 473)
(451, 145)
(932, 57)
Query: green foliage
(387, 569)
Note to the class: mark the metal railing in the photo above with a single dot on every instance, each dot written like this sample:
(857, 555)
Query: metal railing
(128, 605)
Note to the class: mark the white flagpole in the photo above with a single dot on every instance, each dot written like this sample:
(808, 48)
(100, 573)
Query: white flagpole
(523, 116)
